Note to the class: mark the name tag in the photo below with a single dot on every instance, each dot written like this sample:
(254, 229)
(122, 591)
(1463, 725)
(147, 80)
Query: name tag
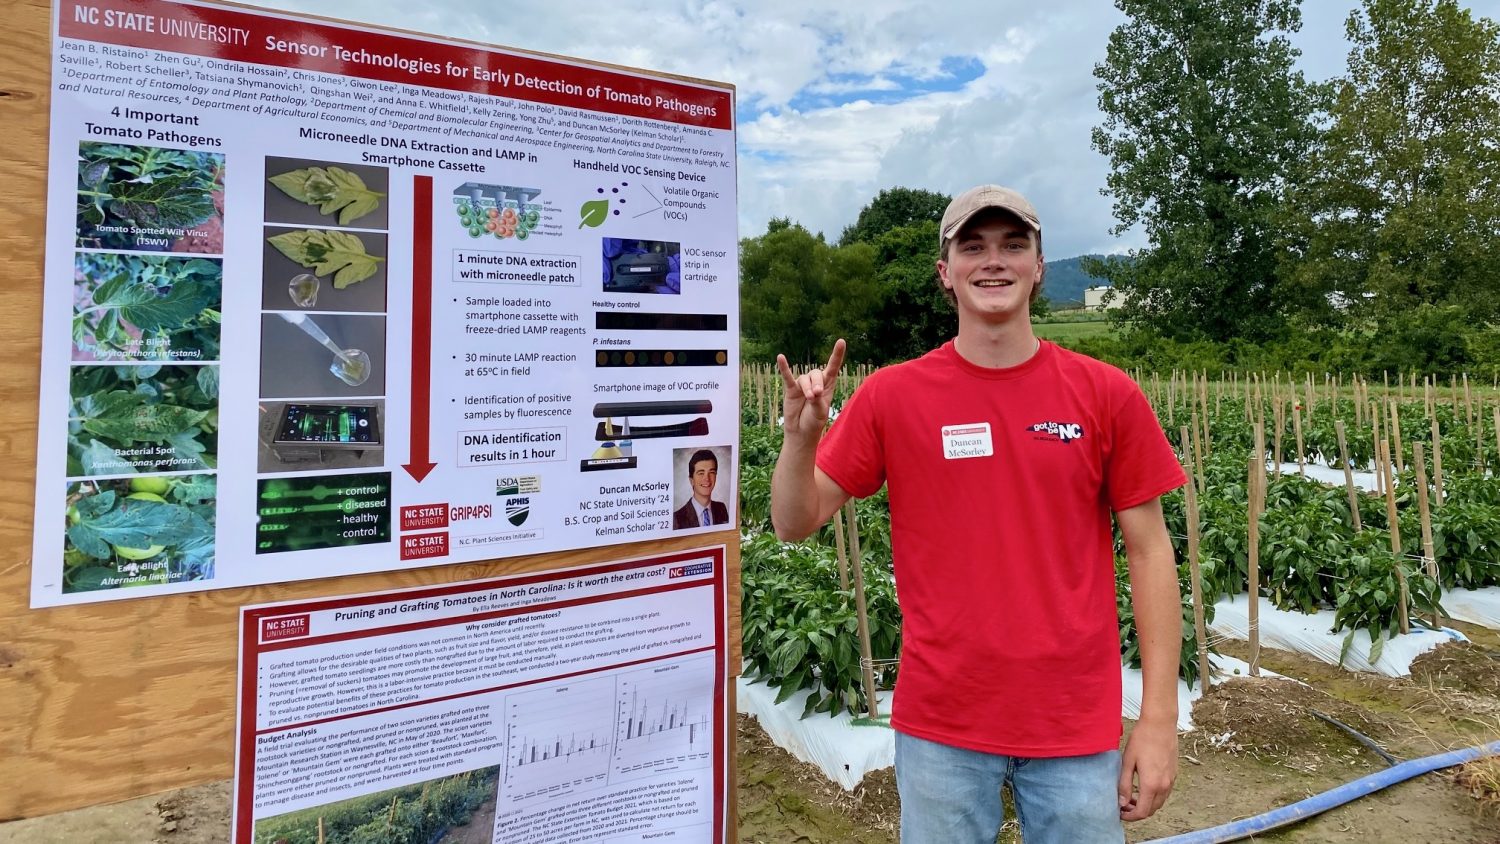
(971, 440)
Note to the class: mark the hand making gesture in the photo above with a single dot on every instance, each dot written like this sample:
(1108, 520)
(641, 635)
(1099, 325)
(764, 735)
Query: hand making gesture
(805, 406)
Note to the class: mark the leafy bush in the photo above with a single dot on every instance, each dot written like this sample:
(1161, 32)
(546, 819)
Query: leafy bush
(801, 631)
(1130, 645)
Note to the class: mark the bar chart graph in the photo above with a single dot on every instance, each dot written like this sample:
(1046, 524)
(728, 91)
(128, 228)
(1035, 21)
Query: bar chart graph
(662, 718)
(558, 739)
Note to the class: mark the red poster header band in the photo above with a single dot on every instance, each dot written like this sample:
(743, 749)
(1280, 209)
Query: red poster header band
(293, 44)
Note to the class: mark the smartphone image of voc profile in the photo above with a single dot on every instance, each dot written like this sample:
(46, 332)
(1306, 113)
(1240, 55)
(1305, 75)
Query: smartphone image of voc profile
(329, 426)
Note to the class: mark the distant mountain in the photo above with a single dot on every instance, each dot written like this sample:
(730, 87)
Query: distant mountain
(1066, 281)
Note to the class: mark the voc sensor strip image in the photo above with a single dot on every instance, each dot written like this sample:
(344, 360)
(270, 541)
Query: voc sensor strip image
(616, 440)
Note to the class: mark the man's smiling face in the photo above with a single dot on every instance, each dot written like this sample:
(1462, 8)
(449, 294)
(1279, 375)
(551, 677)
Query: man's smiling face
(992, 265)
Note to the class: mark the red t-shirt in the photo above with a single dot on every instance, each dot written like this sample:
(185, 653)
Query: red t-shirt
(1001, 486)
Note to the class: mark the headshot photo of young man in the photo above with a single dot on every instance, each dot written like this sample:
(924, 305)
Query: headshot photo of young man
(698, 471)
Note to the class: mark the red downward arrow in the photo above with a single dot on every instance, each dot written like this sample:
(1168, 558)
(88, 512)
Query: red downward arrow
(421, 331)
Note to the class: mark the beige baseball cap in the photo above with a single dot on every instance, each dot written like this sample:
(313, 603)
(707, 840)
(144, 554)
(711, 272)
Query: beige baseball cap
(974, 200)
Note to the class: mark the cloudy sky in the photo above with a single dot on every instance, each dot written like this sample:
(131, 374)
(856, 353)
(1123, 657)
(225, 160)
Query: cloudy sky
(838, 100)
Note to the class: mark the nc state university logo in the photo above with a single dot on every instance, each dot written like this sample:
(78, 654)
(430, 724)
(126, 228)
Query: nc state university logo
(1057, 431)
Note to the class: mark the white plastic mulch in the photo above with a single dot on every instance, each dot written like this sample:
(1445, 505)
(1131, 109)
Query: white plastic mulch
(845, 752)
(1476, 606)
(1317, 471)
(1312, 635)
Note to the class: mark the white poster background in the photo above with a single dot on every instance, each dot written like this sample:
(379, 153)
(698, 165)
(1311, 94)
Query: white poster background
(594, 698)
(516, 365)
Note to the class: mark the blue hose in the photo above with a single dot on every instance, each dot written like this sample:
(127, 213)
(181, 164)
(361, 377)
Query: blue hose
(1319, 803)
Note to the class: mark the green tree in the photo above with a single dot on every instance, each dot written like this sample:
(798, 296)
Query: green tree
(892, 209)
(798, 294)
(1204, 117)
(1400, 208)
(914, 316)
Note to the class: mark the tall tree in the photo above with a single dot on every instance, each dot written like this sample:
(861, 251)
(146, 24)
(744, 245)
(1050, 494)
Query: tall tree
(893, 208)
(1400, 210)
(798, 294)
(913, 316)
(1204, 116)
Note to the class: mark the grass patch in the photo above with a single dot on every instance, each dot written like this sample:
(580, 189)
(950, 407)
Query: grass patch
(1071, 330)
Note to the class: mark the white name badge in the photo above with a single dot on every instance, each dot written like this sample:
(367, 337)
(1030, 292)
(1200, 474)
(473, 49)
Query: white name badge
(971, 440)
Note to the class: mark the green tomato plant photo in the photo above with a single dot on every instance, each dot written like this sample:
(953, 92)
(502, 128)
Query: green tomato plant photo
(146, 307)
(140, 419)
(140, 531)
(121, 187)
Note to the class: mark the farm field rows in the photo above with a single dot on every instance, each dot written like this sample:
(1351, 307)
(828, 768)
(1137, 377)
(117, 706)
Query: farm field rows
(1375, 563)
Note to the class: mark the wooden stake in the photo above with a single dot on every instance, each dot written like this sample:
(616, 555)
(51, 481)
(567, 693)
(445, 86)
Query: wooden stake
(1437, 464)
(1396, 437)
(856, 561)
(1338, 427)
(1429, 557)
(1171, 396)
(838, 547)
(1496, 410)
(1257, 486)
(1297, 429)
(1393, 518)
(1468, 405)
(1478, 423)
(1200, 629)
(1278, 418)
(1376, 438)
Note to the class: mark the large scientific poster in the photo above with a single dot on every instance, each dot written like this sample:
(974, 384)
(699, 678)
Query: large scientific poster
(577, 706)
(321, 300)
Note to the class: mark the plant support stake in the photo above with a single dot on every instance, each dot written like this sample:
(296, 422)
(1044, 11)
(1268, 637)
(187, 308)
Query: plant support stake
(867, 661)
(1199, 628)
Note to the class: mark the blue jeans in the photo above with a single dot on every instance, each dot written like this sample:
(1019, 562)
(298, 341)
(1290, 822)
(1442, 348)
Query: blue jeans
(952, 796)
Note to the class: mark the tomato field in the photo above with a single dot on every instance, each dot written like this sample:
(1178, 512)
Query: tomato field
(1416, 518)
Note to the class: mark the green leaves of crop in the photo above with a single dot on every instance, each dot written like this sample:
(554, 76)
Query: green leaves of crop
(325, 252)
(171, 202)
(161, 194)
(116, 408)
(331, 189)
(108, 519)
(124, 418)
(147, 307)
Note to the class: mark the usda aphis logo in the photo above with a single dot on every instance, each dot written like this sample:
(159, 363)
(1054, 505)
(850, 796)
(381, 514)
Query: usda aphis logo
(518, 485)
(1057, 431)
(517, 509)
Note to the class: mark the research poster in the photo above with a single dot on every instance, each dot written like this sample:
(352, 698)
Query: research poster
(578, 706)
(321, 299)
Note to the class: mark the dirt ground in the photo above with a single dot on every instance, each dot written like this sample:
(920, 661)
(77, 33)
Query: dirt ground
(1257, 747)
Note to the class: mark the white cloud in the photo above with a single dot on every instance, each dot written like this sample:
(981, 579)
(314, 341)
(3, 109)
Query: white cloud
(1024, 121)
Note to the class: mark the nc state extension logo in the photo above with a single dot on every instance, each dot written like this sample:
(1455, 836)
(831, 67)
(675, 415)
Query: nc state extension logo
(1057, 431)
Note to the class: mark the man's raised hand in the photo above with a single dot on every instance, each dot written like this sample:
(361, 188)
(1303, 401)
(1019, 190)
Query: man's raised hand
(805, 405)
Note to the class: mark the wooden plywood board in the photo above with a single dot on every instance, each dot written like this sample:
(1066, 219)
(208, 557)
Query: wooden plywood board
(104, 702)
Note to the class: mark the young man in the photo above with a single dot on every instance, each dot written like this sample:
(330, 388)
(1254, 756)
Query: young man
(1005, 457)
(701, 510)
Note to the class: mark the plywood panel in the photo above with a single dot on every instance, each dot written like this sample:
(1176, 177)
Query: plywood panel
(109, 701)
